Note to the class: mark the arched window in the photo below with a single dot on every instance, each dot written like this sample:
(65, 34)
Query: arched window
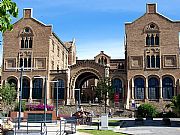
(139, 88)
(148, 62)
(152, 40)
(60, 89)
(157, 39)
(153, 61)
(26, 38)
(147, 40)
(13, 81)
(152, 34)
(153, 88)
(37, 88)
(25, 88)
(105, 61)
(157, 61)
(99, 60)
(168, 89)
(117, 85)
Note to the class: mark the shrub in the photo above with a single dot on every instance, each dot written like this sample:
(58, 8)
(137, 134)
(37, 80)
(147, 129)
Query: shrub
(147, 110)
(23, 106)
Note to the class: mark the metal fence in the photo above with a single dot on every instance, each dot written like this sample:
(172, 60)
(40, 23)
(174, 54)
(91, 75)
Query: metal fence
(57, 127)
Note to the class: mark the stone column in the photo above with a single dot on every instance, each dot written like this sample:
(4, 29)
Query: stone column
(68, 87)
(132, 88)
(128, 95)
(146, 89)
(31, 87)
(160, 89)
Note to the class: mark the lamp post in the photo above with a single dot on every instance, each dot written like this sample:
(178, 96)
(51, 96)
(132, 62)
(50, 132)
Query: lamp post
(20, 97)
(20, 92)
(45, 95)
(57, 85)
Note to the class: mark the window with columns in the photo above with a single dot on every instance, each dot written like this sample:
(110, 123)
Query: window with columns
(25, 59)
(152, 34)
(102, 60)
(153, 61)
(139, 88)
(152, 58)
(25, 62)
(153, 88)
(152, 40)
(26, 38)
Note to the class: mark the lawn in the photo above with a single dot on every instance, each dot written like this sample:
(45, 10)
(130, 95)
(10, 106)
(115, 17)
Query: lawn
(100, 132)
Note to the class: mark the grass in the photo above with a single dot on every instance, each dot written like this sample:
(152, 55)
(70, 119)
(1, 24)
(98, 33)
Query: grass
(114, 121)
(100, 132)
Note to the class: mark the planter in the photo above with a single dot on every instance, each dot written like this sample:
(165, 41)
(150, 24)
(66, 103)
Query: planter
(15, 115)
(24, 115)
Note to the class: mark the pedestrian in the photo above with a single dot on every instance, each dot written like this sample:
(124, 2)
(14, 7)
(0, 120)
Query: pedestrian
(110, 113)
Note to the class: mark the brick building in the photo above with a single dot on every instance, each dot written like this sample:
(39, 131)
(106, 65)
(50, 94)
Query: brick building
(149, 72)
(152, 55)
(34, 46)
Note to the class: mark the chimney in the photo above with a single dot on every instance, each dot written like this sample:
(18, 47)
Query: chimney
(27, 13)
(151, 8)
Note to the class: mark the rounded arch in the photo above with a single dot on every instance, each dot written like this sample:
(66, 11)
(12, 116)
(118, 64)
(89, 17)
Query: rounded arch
(81, 71)
(27, 30)
(13, 80)
(82, 84)
(139, 87)
(168, 86)
(153, 87)
(25, 87)
(151, 27)
(37, 88)
(171, 76)
(118, 85)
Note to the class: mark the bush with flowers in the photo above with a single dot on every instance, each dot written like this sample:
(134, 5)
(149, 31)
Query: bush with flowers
(40, 107)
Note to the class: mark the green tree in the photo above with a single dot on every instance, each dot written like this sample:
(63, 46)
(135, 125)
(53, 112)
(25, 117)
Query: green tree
(104, 90)
(8, 9)
(175, 105)
(8, 94)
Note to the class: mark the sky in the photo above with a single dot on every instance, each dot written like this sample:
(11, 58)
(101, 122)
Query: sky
(96, 25)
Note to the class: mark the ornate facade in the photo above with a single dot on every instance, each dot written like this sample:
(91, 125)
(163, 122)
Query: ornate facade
(149, 72)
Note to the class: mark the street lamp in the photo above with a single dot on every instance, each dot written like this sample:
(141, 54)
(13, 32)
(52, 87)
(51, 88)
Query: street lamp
(57, 85)
(20, 92)
(45, 95)
(20, 97)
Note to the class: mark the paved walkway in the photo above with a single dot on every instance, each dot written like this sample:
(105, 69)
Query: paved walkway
(149, 127)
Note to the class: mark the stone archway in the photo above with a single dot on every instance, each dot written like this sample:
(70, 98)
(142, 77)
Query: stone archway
(82, 73)
(83, 85)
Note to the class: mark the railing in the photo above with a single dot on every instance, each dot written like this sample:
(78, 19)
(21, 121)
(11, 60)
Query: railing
(57, 127)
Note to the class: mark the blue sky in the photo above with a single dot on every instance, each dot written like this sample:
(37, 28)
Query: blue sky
(95, 24)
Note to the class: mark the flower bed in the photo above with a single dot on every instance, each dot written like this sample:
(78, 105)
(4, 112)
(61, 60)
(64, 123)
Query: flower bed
(39, 107)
